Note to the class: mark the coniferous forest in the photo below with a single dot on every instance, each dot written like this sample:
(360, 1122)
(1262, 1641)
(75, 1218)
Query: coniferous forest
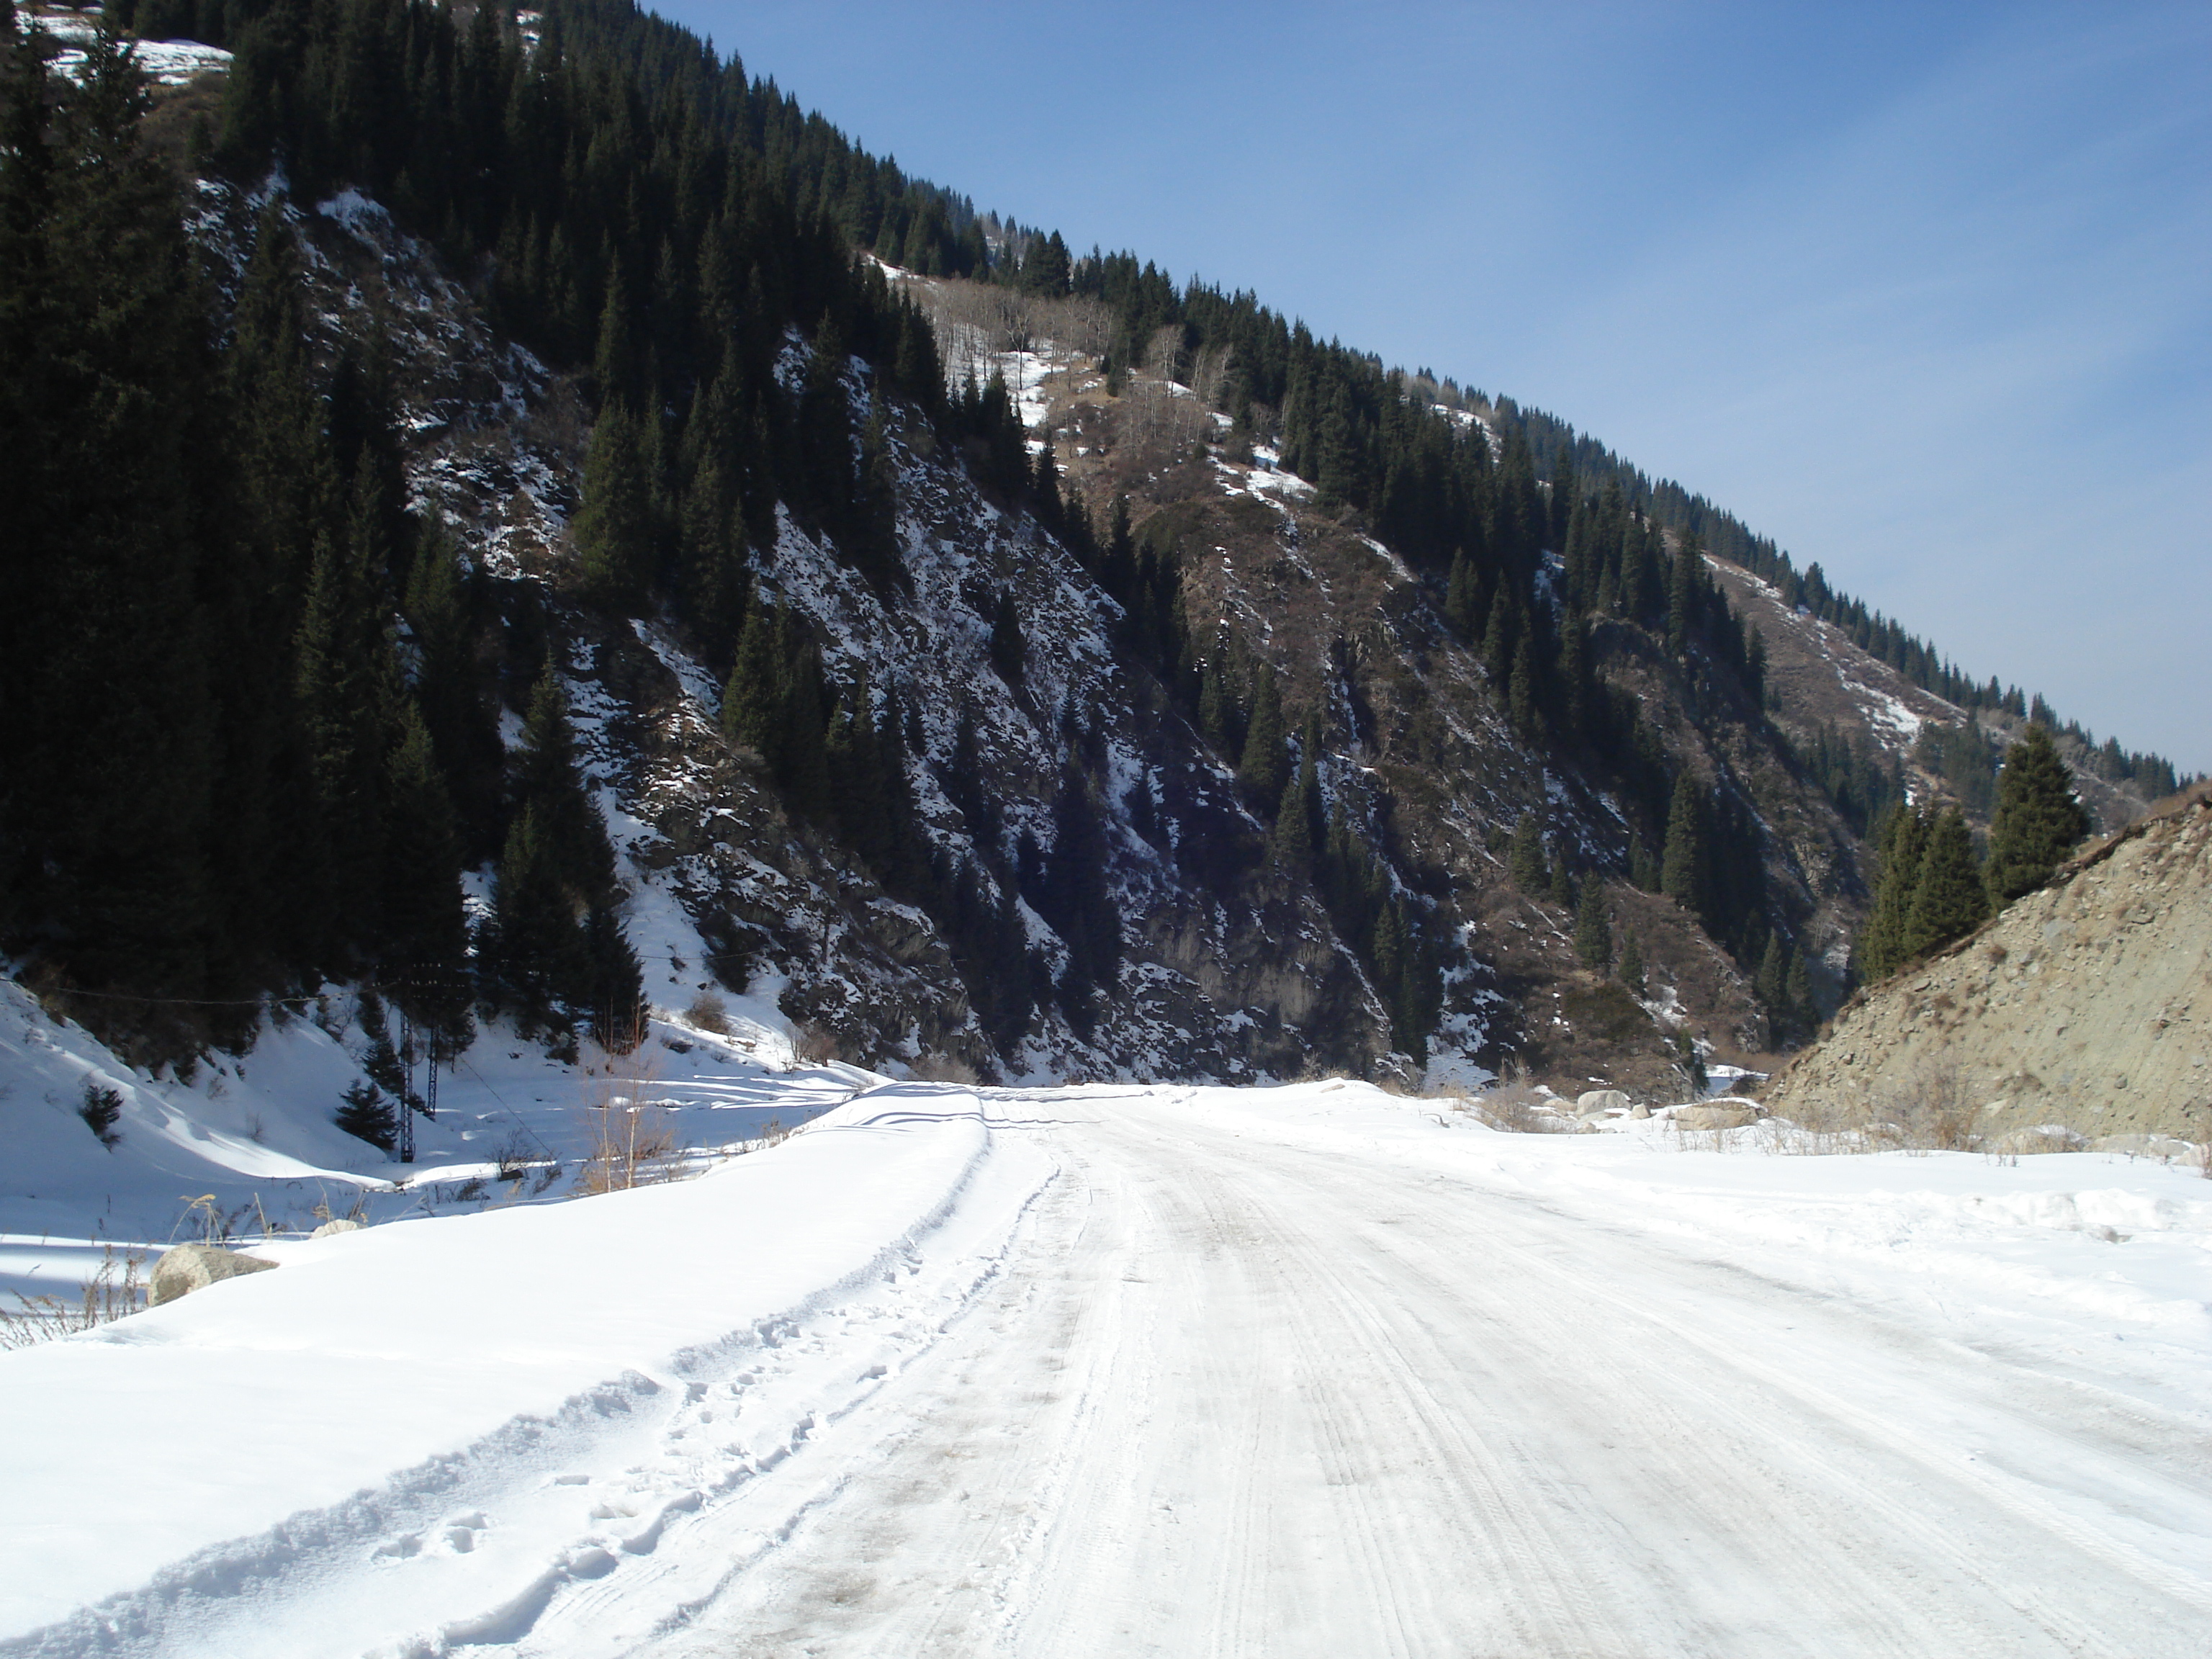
(253, 701)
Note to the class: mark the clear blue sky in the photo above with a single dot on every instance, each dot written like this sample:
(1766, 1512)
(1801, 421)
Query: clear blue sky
(1923, 291)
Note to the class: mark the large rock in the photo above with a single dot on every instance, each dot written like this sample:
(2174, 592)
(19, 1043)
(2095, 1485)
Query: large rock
(190, 1268)
(1715, 1114)
(1598, 1102)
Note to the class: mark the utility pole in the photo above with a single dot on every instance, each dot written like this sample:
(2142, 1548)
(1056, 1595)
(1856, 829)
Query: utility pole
(406, 1088)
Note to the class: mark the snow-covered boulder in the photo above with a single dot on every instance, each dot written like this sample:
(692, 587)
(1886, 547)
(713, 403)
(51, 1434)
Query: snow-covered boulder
(190, 1268)
(1598, 1102)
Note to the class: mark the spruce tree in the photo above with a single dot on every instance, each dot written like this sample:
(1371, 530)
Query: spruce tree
(1593, 932)
(548, 781)
(753, 701)
(365, 1115)
(426, 925)
(538, 949)
(109, 734)
(1682, 875)
(614, 529)
(1265, 766)
(1526, 859)
(1009, 649)
(1631, 970)
(1949, 900)
(2038, 819)
(1901, 838)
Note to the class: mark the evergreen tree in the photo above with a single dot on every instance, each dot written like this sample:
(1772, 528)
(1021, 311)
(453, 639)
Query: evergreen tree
(1526, 859)
(614, 529)
(753, 701)
(426, 924)
(539, 948)
(1797, 990)
(617, 983)
(1631, 970)
(365, 1115)
(1683, 876)
(104, 805)
(1901, 837)
(2038, 819)
(1264, 767)
(1949, 900)
(1593, 931)
(1009, 649)
(549, 782)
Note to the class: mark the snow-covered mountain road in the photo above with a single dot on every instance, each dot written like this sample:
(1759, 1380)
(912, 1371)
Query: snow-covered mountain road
(1131, 1370)
(1241, 1397)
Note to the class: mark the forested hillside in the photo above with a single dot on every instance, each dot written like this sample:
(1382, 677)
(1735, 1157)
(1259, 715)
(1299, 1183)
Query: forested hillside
(471, 472)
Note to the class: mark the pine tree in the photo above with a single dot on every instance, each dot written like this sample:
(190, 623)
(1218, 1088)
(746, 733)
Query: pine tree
(1682, 875)
(753, 701)
(365, 1115)
(614, 529)
(1949, 900)
(1797, 991)
(1009, 649)
(539, 948)
(1901, 837)
(1593, 932)
(426, 925)
(1526, 859)
(2038, 819)
(1631, 971)
(1265, 766)
(110, 735)
(616, 983)
(548, 781)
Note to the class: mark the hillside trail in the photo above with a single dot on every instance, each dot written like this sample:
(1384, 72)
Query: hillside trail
(1236, 1397)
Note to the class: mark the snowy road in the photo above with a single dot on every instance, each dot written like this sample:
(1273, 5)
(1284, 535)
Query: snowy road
(1162, 1372)
(1244, 1398)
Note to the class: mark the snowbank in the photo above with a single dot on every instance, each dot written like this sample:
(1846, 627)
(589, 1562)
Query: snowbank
(329, 1412)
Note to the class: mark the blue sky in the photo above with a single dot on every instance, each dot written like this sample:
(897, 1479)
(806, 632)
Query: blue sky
(1923, 291)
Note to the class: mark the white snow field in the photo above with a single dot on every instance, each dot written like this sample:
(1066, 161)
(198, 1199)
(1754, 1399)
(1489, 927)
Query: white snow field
(1130, 1371)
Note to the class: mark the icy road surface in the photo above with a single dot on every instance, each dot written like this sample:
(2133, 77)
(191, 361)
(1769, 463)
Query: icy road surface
(1192, 1373)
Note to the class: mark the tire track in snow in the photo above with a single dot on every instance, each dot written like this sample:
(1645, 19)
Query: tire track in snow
(1519, 1434)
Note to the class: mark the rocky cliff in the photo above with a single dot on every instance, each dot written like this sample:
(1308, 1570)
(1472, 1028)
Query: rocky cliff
(2087, 1005)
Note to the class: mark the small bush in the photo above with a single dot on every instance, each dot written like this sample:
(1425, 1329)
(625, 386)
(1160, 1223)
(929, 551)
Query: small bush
(708, 1012)
(101, 1110)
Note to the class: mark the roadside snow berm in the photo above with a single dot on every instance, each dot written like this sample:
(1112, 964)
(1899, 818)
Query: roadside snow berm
(190, 1268)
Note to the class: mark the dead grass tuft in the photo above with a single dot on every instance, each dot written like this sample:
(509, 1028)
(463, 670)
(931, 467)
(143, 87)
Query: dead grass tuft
(115, 1292)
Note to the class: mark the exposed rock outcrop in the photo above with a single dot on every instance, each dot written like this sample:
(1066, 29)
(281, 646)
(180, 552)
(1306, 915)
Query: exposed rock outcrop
(2088, 1005)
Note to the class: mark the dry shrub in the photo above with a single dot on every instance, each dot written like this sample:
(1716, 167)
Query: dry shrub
(1934, 1112)
(628, 1144)
(815, 1044)
(115, 1292)
(944, 1068)
(708, 1012)
(1519, 1108)
(629, 1137)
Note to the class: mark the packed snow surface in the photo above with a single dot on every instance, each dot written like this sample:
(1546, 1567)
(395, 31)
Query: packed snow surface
(1156, 1370)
